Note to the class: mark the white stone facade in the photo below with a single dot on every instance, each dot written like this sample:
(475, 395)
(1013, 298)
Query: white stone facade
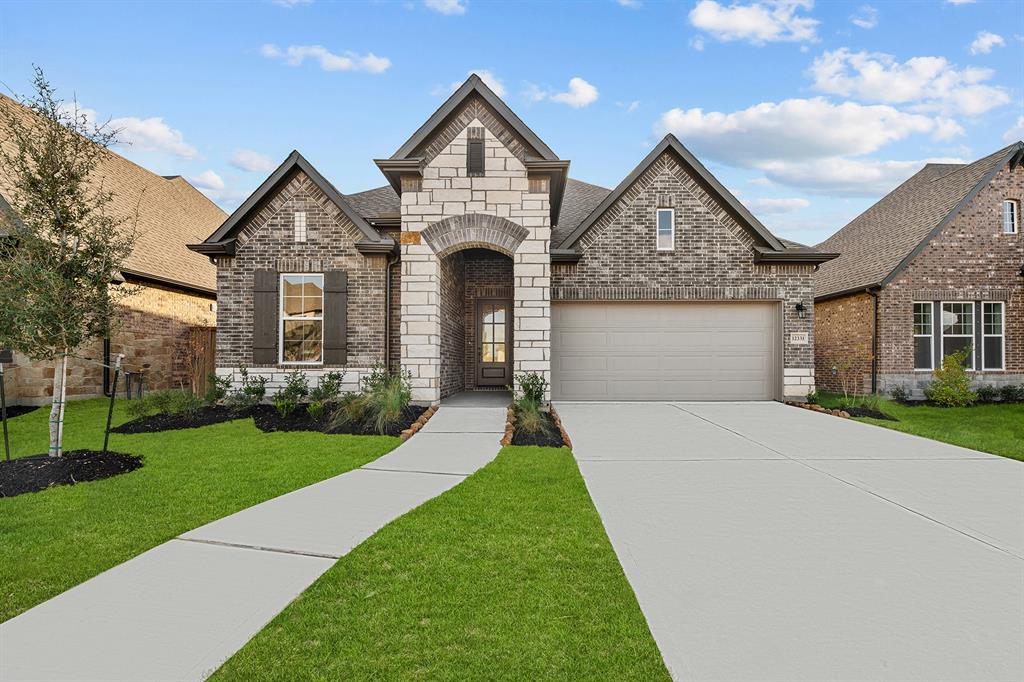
(447, 190)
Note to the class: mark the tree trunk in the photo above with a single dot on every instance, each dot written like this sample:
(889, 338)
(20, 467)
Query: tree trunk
(57, 409)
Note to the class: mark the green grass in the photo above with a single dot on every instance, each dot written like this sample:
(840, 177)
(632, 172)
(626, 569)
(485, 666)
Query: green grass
(994, 428)
(57, 538)
(509, 575)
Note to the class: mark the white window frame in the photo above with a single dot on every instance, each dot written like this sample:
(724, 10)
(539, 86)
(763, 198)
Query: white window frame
(282, 318)
(1015, 216)
(299, 226)
(930, 334)
(942, 332)
(1000, 335)
(657, 229)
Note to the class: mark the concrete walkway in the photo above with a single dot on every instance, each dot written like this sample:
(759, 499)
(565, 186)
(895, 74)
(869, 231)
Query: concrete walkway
(181, 609)
(765, 542)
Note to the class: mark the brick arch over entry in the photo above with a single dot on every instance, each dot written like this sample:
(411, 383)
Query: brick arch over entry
(474, 230)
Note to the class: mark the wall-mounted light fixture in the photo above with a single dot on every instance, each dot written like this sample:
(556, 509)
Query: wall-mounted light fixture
(801, 309)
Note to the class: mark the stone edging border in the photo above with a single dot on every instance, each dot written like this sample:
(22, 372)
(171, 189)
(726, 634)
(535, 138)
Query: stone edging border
(561, 429)
(818, 408)
(510, 426)
(418, 424)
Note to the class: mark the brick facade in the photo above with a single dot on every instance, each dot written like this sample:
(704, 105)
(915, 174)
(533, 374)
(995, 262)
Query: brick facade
(266, 242)
(969, 260)
(712, 261)
(153, 334)
(453, 323)
(842, 343)
(488, 276)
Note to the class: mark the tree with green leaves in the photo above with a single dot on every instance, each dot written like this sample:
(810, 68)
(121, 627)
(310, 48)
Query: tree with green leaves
(62, 247)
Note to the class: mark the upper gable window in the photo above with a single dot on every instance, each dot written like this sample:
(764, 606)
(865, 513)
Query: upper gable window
(475, 152)
(666, 228)
(300, 226)
(1011, 217)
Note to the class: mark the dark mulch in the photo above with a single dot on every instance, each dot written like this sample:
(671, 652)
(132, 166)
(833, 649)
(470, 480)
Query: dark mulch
(868, 412)
(18, 410)
(39, 472)
(267, 419)
(550, 437)
(204, 416)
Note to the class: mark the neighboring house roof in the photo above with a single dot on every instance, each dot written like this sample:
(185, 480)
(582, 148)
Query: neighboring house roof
(876, 245)
(222, 241)
(171, 213)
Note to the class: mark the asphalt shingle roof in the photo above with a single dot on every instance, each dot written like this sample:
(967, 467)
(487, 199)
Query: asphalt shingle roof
(171, 214)
(874, 243)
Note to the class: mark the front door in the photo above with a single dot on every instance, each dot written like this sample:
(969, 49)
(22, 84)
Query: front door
(494, 343)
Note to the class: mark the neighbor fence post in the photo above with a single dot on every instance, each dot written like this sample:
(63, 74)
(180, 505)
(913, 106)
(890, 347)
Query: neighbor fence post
(113, 394)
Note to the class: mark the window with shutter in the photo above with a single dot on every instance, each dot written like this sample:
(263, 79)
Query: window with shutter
(302, 318)
(264, 317)
(335, 317)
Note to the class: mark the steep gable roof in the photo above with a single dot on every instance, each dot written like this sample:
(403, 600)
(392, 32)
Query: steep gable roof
(221, 242)
(170, 214)
(876, 245)
(671, 144)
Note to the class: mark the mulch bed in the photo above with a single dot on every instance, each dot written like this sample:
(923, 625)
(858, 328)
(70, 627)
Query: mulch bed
(267, 419)
(39, 472)
(868, 412)
(18, 410)
(549, 438)
(204, 416)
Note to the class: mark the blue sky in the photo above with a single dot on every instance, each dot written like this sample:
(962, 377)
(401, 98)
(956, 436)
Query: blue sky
(808, 112)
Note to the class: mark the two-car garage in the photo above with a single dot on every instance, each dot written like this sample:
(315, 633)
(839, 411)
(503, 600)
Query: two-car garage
(665, 351)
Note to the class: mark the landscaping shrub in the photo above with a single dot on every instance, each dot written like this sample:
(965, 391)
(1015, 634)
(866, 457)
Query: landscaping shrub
(529, 415)
(533, 386)
(294, 391)
(900, 393)
(987, 394)
(382, 399)
(163, 402)
(952, 385)
(812, 398)
(326, 392)
(216, 388)
(249, 394)
(1012, 394)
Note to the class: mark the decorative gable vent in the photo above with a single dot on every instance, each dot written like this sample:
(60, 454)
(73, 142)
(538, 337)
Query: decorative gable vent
(666, 201)
(475, 151)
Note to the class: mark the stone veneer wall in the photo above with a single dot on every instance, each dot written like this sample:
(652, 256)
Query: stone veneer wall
(267, 242)
(445, 191)
(154, 331)
(488, 275)
(970, 260)
(453, 324)
(712, 261)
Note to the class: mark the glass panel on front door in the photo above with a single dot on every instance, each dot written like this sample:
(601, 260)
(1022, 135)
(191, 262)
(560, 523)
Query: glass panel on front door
(492, 324)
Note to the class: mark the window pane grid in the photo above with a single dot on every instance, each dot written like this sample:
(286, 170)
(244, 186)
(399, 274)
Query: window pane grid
(302, 309)
(300, 226)
(665, 229)
(1010, 216)
(958, 330)
(992, 335)
(492, 331)
(923, 335)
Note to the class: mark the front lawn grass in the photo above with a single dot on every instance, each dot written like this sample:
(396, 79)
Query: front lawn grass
(995, 428)
(57, 538)
(507, 576)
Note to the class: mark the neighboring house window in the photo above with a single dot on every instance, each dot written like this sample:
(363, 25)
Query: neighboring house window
(302, 318)
(666, 229)
(1011, 217)
(300, 226)
(992, 345)
(924, 337)
(958, 330)
(475, 157)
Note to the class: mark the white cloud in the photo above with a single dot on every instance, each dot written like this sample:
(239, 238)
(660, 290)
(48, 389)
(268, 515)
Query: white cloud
(697, 43)
(207, 180)
(757, 23)
(152, 135)
(446, 6)
(837, 176)
(865, 17)
(985, 41)
(580, 94)
(292, 3)
(294, 55)
(534, 93)
(631, 4)
(772, 206)
(489, 79)
(961, 2)
(633, 106)
(1015, 133)
(254, 162)
(931, 83)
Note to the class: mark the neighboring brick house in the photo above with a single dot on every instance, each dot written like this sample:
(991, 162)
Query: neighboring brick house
(935, 266)
(176, 288)
(481, 260)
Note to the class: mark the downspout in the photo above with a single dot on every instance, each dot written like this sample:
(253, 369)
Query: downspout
(389, 262)
(874, 343)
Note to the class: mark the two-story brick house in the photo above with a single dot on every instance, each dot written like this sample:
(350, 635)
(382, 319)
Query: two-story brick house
(934, 267)
(481, 259)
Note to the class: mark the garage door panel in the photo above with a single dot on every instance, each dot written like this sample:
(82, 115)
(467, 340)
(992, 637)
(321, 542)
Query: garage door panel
(664, 351)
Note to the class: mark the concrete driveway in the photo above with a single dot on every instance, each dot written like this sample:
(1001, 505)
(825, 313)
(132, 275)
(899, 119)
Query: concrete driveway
(765, 542)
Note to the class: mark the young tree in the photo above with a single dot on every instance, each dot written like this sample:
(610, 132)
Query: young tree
(63, 247)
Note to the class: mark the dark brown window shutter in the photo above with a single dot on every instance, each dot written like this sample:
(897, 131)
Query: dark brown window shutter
(264, 317)
(475, 157)
(335, 317)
